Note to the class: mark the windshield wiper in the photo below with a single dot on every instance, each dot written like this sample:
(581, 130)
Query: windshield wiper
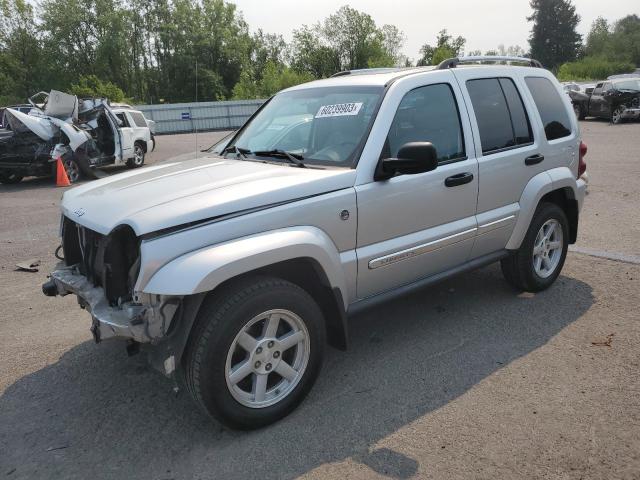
(241, 152)
(294, 158)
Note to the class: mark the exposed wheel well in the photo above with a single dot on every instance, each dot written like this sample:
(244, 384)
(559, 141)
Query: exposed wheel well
(142, 144)
(565, 199)
(309, 275)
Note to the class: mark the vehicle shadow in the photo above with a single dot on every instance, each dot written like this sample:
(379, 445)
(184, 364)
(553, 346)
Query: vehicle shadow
(97, 413)
(29, 183)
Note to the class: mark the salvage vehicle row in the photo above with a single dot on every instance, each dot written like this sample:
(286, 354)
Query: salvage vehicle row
(83, 133)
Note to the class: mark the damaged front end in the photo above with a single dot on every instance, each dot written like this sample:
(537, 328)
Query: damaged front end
(83, 132)
(102, 270)
(626, 104)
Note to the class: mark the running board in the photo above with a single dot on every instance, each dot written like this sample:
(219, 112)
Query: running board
(370, 302)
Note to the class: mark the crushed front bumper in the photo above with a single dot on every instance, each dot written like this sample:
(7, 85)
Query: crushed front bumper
(146, 322)
(631, 113)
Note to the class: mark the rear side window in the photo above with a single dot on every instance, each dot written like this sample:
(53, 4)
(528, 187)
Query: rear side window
(138, 119)
(550, 106)
(502, 119)
(428, 114)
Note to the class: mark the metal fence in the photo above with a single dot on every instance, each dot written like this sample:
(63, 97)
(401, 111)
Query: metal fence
(187, 117)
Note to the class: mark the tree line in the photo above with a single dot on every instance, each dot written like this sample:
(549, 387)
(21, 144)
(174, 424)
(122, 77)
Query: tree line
(150, 51)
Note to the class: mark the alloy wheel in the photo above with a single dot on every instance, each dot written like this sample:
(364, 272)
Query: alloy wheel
(138, 155)
(617, 115)
(547, 249)
(72, 169)
(267, 358)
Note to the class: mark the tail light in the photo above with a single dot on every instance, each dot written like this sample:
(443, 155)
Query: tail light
(582, 165)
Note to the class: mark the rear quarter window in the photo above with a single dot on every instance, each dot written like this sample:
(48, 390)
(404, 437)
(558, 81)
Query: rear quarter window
(551, 107)
(138, 119)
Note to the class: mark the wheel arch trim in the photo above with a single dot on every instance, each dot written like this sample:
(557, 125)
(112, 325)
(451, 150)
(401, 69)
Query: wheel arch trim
(205, 269)
(561, 178)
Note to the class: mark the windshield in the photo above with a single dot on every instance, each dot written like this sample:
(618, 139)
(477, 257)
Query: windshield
(322, 125)
(628, 85)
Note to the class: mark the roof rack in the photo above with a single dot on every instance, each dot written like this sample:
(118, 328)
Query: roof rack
(364, 71)
(454, 62)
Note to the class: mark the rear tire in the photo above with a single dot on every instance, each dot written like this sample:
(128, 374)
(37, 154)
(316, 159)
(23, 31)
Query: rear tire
(255, 351)
(538, 262)
(579, 112)
(138, 156)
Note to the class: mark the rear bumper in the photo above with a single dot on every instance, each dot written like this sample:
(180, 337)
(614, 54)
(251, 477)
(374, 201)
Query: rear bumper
(144, 323)
(581, 184)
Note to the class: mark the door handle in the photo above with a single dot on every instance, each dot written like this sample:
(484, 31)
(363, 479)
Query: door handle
(459, 179)
(533, 159)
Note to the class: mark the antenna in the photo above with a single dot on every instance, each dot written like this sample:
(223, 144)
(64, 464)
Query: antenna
(195, 125)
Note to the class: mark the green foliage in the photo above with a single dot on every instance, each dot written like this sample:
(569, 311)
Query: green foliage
(593, 68)
(20, 51)
(554, 39)
(620, 41)
(274, 78)
(446, 47)
(92, 86)
(347, 40)
(159, 50)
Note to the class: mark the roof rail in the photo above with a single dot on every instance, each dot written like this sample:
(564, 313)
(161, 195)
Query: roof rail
(364, 71)
(454, 62)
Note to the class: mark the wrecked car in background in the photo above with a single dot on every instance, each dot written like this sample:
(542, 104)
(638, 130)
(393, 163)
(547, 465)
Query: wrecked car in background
(84, 134)
(616, 100)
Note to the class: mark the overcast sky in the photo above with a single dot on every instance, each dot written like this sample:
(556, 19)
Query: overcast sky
(484, 23)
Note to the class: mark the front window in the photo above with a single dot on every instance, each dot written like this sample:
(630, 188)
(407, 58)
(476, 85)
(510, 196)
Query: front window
(428, 114)
(323, 126)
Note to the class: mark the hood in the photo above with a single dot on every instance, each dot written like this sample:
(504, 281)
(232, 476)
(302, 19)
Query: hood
(21, 123)
(177, 193)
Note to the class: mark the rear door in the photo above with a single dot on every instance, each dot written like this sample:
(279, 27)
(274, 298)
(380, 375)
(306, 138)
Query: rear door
(508, 152)
(413, 226)
(126, 134)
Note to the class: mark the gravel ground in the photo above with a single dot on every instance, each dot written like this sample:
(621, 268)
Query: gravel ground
(465, 380)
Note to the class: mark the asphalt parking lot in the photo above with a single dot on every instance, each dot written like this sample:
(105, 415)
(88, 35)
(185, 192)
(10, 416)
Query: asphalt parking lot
(465, 380)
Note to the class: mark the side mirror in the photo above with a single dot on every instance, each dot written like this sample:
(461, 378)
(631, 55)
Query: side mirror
(413, 157)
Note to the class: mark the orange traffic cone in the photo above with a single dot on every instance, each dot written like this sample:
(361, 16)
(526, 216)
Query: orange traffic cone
(61, 175)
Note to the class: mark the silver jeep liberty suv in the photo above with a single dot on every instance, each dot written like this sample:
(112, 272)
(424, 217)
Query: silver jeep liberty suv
(236, 268)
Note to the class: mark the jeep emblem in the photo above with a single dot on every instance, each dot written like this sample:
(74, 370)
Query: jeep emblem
(79, 212)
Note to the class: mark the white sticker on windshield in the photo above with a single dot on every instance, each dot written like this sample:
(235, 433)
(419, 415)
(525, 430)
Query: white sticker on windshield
(339, 109)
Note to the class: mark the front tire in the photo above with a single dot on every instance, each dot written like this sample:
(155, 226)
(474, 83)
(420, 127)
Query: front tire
(255, 351)
(72, 168)
(538, 262)
(10, 178)
(616, 116)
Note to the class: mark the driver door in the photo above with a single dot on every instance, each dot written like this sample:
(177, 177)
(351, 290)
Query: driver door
(596, 102)
(413, 226)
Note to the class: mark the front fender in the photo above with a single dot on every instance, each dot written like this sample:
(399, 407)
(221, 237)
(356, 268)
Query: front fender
(538, 187)
(203, 270)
